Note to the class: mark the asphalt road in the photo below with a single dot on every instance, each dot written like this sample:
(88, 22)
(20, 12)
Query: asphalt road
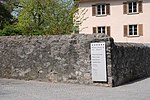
(33, 90)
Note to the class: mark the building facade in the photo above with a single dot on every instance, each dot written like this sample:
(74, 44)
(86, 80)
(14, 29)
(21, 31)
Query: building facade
(124, 20)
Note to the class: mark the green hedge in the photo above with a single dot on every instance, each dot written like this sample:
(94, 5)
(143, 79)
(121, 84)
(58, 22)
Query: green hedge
(11, 31)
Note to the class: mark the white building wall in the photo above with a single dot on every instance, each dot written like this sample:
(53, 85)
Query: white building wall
(117, 20)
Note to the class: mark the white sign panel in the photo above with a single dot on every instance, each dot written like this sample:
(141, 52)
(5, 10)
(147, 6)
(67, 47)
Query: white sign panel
(98, 62)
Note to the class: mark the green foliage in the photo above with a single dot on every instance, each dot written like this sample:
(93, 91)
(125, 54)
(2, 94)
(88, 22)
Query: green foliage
(5, 16)
(40, 17)
(10, 30)
(50, 16)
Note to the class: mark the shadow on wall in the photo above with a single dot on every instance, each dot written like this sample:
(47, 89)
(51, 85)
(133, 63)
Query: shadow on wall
(130, 62)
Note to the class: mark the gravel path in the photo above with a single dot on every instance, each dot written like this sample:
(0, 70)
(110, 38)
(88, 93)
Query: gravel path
(33, 90)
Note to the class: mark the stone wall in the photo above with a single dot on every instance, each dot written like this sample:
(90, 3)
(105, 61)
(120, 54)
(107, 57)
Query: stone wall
(130, 61)
(66, 58)
(63, 58)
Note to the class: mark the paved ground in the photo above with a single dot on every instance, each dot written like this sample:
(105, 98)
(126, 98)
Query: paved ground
(33, 90)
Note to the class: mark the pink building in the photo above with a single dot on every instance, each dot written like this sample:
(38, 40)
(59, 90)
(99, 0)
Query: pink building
(124, 20)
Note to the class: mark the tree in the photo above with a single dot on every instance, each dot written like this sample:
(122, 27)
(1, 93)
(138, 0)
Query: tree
(46, 16)
(10, 4)
(5, 16)
(6, 9)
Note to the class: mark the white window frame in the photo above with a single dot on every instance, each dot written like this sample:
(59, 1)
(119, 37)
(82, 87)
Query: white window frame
(100, 9)
(133, 31)
(101, 29)
(137, 4)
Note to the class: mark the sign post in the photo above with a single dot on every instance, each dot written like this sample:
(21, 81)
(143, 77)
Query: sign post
(98, 62)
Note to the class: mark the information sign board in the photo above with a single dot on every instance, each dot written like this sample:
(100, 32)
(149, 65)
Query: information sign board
(98, 62)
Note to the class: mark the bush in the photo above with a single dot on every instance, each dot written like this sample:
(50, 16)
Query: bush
(10, 30)
(14, 30)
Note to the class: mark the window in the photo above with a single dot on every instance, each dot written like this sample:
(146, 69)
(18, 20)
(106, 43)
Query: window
(133, 30)
(102, 29)
(133, 7)
(100, 9)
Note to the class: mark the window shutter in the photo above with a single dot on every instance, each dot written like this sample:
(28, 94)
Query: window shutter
(93, 10)
(108, 30)
(140, 29)
(94, 29)
(140, 6)
(125, 30)
(108, 9)
(125, 8)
